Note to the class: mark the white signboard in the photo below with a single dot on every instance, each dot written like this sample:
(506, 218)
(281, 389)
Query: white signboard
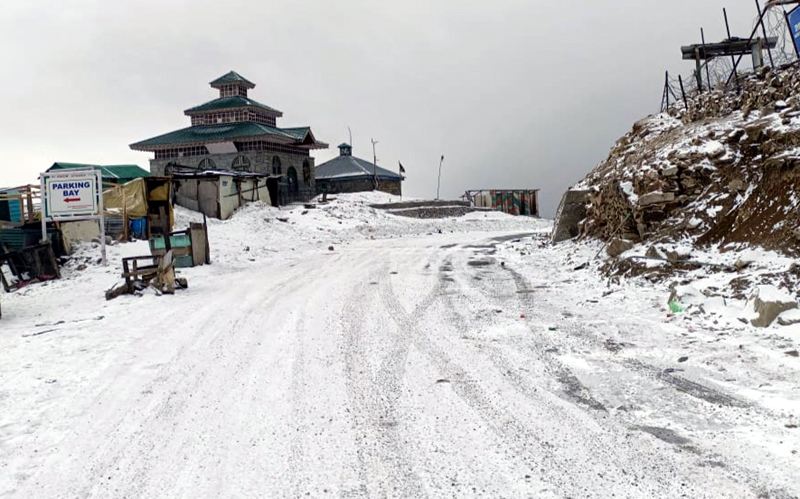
(72, 193)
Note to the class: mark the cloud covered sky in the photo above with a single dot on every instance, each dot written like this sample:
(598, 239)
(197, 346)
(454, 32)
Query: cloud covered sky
(514, 93)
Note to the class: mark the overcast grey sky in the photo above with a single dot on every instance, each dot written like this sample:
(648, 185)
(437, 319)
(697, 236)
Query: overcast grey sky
(514, 93)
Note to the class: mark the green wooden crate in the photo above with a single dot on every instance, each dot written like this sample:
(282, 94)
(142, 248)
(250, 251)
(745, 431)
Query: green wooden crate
(179, 243)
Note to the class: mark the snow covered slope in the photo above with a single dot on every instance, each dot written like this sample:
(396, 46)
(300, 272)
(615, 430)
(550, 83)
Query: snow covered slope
(726, 172)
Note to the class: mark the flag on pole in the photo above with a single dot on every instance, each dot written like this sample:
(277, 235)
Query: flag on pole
(402, 170)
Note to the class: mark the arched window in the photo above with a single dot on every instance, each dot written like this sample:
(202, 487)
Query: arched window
(276, 165)
(241, 164)
(292, 180)
(207, 164)
(306, 172)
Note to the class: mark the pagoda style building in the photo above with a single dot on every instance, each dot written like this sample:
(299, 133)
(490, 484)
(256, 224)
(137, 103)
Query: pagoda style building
(234, 132)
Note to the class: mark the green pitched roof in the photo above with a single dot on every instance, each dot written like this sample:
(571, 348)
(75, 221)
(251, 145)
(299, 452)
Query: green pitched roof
(298, 133)
(110, 172)
(214, 133)
(232, 77)
(229, 103)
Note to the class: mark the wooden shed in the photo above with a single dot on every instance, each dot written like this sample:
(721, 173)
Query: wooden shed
(219, 193)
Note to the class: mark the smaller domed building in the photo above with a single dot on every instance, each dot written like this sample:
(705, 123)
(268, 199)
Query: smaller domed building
(347, 173)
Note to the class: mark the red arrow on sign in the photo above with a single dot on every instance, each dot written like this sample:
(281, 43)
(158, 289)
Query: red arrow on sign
(71, 200)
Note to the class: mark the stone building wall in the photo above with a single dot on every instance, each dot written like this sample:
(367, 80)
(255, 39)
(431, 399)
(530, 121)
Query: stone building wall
(359, 185)
(260, 162)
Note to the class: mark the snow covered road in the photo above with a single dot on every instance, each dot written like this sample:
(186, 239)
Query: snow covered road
(408, 367)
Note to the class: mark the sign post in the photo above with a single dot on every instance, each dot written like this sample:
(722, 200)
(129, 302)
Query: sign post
(73, 195)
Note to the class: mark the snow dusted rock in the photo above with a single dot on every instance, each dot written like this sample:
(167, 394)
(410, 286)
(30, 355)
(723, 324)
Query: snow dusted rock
(745, 260)
(617, 247)
(656, 197)
(789, 318)
(687, 296)
(655, 252)
(571, 212)
(694, 223)
(673, 253)
(769, 302)
(672, 171)
(736, 185)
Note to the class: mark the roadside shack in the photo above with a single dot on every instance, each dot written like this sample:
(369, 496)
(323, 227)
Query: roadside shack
(219, 194)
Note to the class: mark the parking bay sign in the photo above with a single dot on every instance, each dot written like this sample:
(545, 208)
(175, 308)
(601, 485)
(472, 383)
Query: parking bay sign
(71, 194)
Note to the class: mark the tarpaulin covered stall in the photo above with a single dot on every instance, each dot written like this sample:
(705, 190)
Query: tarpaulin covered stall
(147, 198)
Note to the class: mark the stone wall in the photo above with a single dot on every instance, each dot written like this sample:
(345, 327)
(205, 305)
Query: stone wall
(260, 162)
(359, 185)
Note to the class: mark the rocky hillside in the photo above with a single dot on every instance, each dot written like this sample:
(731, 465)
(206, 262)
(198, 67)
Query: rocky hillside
(724, 173)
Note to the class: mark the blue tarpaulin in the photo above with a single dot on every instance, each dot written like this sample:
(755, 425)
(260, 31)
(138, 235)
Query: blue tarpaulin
(139, 227)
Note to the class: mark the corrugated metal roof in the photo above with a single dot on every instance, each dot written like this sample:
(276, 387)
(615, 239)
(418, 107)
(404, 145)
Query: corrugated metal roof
(231, 102)
(350, 167)
(122, 172)
(232, 77)
(213, 133)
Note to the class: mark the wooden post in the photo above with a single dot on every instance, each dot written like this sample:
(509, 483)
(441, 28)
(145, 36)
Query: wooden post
(52, 257)
(164, 228)
(37, 263)
(31, 218)
(6, 286)
(208, 248)
(198, 240)
(124, 214)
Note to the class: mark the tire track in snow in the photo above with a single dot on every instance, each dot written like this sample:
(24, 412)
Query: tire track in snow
(683, 385)
(572, 388)
(131, 446)
(513, 433)
(373, 398)
(590, 431)
(736, 473)
(568, 473)
(298, 387)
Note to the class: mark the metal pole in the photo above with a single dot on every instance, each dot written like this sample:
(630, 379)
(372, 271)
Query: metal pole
(708, 73)
(750, 39)
(733, 58)
(438, 182)
(374, 164)
(99, 176)
(764, 32)
(680, 80)
(43, 208)
(666, 88)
